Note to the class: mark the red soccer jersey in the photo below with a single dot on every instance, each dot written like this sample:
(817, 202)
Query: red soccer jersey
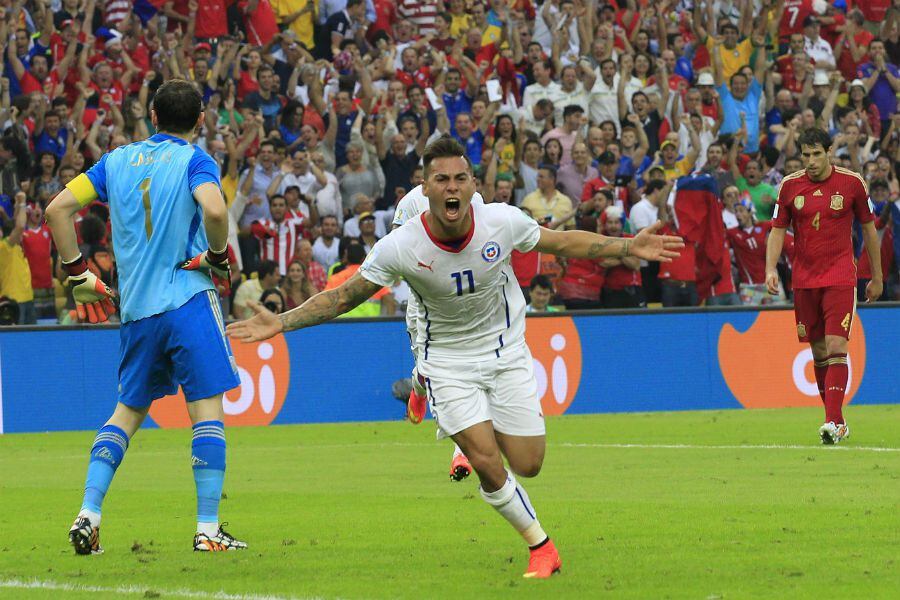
(36, 244)
(683, 268)
(822, 214)
(750, 251)
(795, 12)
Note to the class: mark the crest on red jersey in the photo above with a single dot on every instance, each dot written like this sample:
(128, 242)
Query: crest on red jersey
(837, 202)
(798, 202)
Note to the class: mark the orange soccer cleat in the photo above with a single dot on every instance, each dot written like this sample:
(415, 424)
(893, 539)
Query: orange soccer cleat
(544, 561)
(460, 467)
(415, 407)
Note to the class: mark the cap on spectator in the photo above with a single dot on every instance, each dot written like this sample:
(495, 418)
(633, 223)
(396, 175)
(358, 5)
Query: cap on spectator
(607, 158)
(202, 46)
(858, 83)
(656, 168)
(66, 23)
(366, 215)
(747, 203)
(113, 40)
(668, 143)
(820, 78)
(706, 78)
(810, 20)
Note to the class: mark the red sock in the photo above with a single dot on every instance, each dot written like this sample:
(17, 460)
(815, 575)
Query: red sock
(835, 384)
(821, 368)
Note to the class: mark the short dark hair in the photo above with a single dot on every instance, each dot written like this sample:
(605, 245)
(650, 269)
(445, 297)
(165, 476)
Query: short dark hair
(177, 105)
(815, 137)
(572, 109)
(541, 281)
(265, 268)
(351, 3)
(356, 254)
(444, 147)
(607, 60)
(549, 168)
(652, 186)
(275, 197)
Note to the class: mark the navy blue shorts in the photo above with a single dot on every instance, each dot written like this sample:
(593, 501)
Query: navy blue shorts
(186, 346)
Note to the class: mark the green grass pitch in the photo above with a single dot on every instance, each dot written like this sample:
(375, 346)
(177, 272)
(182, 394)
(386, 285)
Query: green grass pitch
(723, 504)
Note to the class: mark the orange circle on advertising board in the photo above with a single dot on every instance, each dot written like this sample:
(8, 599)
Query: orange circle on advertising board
(265, 372)
(556, 349)
(765, 367)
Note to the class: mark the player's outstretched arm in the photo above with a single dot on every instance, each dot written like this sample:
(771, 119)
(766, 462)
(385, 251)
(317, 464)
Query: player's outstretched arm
(774, 246)
(322, 307)
(647, 245)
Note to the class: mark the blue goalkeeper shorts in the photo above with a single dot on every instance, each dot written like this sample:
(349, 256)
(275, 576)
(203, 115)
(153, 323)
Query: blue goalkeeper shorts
(186, 346)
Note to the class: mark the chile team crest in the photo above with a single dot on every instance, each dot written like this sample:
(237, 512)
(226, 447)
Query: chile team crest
(490, 252)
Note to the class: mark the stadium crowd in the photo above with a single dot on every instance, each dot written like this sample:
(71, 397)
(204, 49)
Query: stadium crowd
(603, 115)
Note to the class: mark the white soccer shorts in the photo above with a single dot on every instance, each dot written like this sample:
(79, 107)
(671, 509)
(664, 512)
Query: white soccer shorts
(502, 390)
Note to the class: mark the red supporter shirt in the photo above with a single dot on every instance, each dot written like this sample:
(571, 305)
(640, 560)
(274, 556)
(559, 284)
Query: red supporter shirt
(845, 64)
(683, 268)
(525, 265)
(620, 276)
(212, 19)
(874, 11)
(582, 280)
(421, 78)
(278, 241)
(795, 11)
(261, 24)
(822, 214)
(36, 244)
(750, 251)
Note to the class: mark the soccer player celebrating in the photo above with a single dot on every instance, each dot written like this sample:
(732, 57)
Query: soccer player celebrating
(412, 205)
(820, 203)
(477, 368)
(159, 191)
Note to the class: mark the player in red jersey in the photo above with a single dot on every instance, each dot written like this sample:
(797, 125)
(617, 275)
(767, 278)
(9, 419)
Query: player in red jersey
(820, 203)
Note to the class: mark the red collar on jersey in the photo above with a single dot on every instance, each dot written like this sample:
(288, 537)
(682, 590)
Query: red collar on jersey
(454, 246)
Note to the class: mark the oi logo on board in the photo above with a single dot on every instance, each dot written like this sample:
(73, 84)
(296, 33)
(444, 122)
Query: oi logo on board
(265, 372)
(556, 349)
(766, 367)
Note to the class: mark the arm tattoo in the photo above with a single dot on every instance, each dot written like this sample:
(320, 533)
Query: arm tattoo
(602, 248)
(327, 305)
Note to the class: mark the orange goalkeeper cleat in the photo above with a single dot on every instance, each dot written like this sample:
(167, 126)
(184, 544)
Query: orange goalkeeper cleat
(460, 467)
(415, 407)
(544, 561)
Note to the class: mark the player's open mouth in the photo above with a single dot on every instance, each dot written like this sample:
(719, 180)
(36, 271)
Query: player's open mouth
(452, 208)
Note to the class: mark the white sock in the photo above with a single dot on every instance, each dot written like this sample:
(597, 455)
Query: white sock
(208, 529)
(513, 503)
(92, 516)
(417, 386)
(456, 451)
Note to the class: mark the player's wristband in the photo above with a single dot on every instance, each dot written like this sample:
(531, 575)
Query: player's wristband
(217, 257)
(76, 267)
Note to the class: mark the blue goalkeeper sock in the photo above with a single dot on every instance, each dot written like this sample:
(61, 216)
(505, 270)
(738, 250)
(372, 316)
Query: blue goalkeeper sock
(106, 456)
(208, 461)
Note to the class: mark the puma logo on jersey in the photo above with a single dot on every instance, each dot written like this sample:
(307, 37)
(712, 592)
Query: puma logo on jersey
(817, 193)
(424, 266)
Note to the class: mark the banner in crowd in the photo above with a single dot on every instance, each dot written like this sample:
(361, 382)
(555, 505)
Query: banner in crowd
(66, 379)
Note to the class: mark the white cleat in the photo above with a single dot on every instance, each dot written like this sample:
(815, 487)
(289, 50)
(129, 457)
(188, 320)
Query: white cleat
(832, 433)
(222, 541)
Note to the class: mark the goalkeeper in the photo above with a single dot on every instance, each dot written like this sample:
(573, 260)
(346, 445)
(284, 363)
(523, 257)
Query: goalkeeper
(169, 229)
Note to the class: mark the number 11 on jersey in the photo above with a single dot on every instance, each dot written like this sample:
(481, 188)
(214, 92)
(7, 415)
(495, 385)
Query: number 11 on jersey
(459, 281)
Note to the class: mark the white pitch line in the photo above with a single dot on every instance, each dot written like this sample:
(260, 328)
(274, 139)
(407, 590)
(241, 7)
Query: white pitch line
(731, 447)
(37, 584)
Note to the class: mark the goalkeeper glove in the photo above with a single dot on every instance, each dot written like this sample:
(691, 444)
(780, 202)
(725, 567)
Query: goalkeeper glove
(93, 298)
(216, 262)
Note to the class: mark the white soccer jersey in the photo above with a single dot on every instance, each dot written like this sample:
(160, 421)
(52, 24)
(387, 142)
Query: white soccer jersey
(470, 304)
(415, 202)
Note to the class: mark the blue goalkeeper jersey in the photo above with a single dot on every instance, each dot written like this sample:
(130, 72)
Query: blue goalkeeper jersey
(156, 223)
